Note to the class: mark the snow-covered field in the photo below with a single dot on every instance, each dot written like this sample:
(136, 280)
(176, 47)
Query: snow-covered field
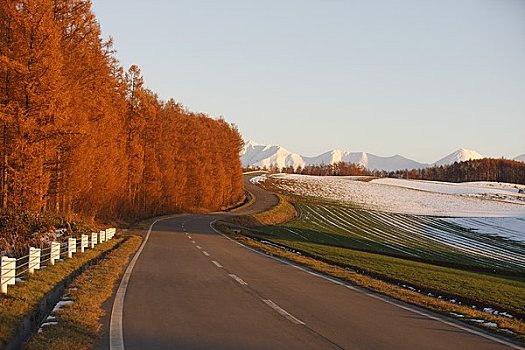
(485, 190)
(485, 207)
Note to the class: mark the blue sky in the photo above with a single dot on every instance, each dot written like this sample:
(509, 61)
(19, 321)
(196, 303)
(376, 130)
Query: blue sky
(411, 77)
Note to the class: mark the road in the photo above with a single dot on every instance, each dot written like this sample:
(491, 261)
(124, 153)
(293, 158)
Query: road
(192, 288)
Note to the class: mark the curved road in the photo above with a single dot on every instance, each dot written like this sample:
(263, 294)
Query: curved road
(192, 288)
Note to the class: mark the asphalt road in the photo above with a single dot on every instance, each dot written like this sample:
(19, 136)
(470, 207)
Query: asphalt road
(192, 288)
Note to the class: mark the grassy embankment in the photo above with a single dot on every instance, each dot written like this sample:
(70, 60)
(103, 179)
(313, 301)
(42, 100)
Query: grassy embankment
(79, 324)
(24, 298)
(384, 273)
(20, 230)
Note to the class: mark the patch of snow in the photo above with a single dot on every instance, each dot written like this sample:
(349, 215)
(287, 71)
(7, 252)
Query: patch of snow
(496, 312)
(490, 324)
(52, 320)
(476, 320)
(61, 304)
(46, 324)
(507, 227)
(258, 179)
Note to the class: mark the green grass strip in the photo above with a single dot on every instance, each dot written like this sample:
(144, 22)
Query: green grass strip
(506, 294)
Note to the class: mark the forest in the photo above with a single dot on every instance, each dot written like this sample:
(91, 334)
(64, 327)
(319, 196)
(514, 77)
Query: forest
(83, 136)
(486, 169)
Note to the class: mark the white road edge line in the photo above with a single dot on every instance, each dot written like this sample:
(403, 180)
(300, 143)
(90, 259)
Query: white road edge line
(283, 312)
(116, 335)
(378, 297)
(205, 253)
(217, 264)
(238, 279)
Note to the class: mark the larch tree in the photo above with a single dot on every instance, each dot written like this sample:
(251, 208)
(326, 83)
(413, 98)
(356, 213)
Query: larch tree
(82, 136)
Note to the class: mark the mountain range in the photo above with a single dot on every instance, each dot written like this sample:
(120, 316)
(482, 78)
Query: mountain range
(257, 155)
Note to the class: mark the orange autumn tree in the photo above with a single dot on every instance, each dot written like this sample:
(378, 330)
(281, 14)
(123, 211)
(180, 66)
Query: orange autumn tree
(82, 136)
(33, 101)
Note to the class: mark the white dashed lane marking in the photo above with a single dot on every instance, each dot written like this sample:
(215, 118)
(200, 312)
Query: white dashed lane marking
(205, 253)
(217, 264)
(238, 279)
(283, 312)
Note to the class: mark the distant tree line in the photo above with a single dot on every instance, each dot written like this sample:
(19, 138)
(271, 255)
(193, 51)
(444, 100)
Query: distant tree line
(80, 135)
(336, 169)
(486, 169)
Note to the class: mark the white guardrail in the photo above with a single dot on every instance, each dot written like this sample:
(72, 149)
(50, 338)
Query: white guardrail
(12, 269)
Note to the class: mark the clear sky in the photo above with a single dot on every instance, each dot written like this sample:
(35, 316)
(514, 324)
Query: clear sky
(411, 77)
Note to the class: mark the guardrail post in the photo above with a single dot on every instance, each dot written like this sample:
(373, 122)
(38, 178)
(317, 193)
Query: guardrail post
(71, 247)
(110, 232)
(55, 253)
(83, 243)
(34, 259)
(7, 272)
(102, 236)
(93, 239)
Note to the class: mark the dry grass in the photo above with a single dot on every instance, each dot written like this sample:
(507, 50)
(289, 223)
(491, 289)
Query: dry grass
(79, 324)
(283, 212)
(24, 298)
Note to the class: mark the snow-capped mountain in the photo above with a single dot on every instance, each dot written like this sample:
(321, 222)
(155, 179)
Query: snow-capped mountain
(520, 158)
(460, 155)
(256, 155)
